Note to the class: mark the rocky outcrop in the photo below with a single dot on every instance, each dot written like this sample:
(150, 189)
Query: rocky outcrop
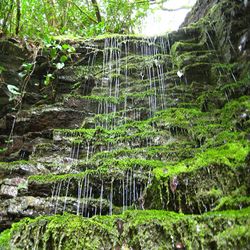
(156, 126)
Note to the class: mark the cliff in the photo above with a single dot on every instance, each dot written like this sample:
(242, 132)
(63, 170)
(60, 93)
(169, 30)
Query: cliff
(128, 142)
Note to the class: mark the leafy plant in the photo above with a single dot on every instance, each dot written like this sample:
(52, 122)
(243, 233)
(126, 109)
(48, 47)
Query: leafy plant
(37, 19)
(48, 79)
(27, 68)
(58, 56)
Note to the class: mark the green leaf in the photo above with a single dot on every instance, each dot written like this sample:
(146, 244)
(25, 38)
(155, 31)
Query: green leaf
(63, 59)
(71, 49)
(48, 79)
(65, 46)
(27, 66)
(68, 48)
(53, 53)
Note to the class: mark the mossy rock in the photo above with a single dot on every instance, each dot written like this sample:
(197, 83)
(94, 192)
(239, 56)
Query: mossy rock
(181, 47)
(202, 73)
(137, 229)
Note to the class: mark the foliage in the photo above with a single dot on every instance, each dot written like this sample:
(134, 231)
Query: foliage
(62, 17)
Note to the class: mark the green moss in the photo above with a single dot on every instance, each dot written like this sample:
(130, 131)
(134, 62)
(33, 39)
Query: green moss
(224, 137)
(67, 231)
(97, 98)
(5, 240)
(244, 213)
(10, 166)
(234, 114)
(130, 162)
(14, 163)
(231, 88)
(237, 237)
(237, 199)
(136, 63)
(133, 131)
(52, 178)
(230, 154)
(180, 47)
(147, 229)
(115, 35)
(192, 57)
(231, 202)
(215, 192)
(227, 67)
(192, 122)
(101, 168)
(82, 132)
(41, 147)
(145, 216)
(173, 151)
(178, 116)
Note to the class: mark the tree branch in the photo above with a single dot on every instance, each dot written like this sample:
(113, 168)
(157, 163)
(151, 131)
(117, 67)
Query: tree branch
(83, 12)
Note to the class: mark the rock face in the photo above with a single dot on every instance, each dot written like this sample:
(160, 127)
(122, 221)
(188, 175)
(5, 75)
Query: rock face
(138, 143)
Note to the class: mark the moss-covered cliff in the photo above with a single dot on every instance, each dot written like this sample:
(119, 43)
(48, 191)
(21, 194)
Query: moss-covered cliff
(138, 143)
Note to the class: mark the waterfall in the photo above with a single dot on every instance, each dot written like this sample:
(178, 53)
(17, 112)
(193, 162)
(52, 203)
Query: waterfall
(116, 53)
(131, 82)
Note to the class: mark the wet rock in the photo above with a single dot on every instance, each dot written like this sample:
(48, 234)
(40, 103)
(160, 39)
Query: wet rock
(46, 118)
(185, 34)
(74, 78)
(82, 103)
(198, 11)
(11, 49)
(198, 72)
(20, 168)
(11, 187)
(8, 191)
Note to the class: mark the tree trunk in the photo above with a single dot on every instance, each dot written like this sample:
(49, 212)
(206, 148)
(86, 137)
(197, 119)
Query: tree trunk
(97, 11)
(18, 16)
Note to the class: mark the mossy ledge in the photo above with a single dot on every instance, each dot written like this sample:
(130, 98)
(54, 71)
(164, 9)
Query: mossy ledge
(148, 229)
